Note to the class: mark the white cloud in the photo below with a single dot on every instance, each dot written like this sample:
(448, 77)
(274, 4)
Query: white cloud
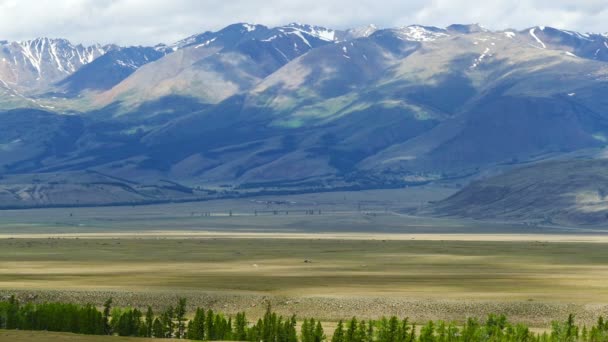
(153, 21)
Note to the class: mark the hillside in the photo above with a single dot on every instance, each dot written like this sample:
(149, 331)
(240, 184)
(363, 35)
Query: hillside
(572, 192)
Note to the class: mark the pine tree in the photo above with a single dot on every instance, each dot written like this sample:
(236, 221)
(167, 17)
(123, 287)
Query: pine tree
(292, 335)
(319, 334)
(361, 333)
(149, 322)
(584, 334)
(412, 336)
(209, 325)
(427, 333)
(338, 333)
(180, 316)
(571, 329)
(403, 334)
(12, 313)
(369, 337)
(240, 327)
(107, 306)
(351, 331)
(167, 321)
(389, 330)
(158, 330)
(305, 331)
(197, 329)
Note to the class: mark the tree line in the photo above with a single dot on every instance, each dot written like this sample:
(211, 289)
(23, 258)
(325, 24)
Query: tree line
(207, 325)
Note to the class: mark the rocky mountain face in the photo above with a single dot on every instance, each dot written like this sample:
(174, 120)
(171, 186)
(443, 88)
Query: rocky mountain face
(34, 64)
(301, 107)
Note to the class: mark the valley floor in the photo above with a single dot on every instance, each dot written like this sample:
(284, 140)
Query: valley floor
(534, 281)
(365, 260)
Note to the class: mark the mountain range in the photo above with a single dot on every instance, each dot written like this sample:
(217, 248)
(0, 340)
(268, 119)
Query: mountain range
(252, 109)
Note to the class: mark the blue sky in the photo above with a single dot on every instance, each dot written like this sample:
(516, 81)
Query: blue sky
(147, 22)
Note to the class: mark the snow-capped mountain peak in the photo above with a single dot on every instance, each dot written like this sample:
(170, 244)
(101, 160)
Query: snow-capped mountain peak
(60, 52)
(42, 61)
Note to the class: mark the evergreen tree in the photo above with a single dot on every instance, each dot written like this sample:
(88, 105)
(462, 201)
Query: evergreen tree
(209, 325)
(149, 322)
(370, 332)
(292, 335)
(427, 333)
(197, 329)
(361, 333)
(107, 306)
(12, 313)
(389, 330)
(319, 335)
(240, 327)
(412, 336)
(180, 316)
(351, 330)
(269, 328)
(305, 331)
(403, 334)
(167, 321)
(158, 330)
(339, 333)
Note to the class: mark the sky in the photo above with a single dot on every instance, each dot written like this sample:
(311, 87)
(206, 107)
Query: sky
(148, 22)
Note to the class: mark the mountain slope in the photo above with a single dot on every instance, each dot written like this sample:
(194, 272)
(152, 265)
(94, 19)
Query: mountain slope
(503, 101)
(405, 101)
(216, 65)
(29, 136)
(560, 192)
(108, 70)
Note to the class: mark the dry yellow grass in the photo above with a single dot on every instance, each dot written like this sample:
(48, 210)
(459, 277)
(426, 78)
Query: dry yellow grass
(441, 277)
(447, 268)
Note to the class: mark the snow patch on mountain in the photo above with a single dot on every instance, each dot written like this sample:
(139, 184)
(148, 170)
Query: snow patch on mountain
(206, 43)
(579, 35)
(570, 54)
(480, 59)
(421, 33)
(249, 27)
(319, 32)
(533, 34)
(301, 36)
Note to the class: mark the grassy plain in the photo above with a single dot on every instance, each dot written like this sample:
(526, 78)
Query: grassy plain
(324, 267)
(360, 257)
(328, 278)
